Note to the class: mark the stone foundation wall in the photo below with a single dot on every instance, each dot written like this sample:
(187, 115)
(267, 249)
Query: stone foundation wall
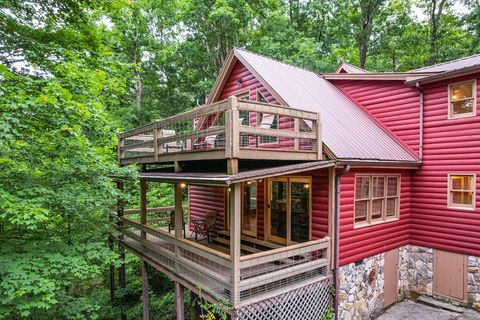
(474, 282)
(420, 270)
(362, 284)
(361, 289)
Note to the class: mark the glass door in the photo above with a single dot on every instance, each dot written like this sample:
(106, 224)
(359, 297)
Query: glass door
(249, 208)
(277, 205)
(300, 200)
(289, 207)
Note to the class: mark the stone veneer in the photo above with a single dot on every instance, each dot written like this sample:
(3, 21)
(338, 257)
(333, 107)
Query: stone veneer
(474, 282)
(361, 284)
(361, 289)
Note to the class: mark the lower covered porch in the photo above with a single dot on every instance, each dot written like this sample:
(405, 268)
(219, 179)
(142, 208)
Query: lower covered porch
(269, 235)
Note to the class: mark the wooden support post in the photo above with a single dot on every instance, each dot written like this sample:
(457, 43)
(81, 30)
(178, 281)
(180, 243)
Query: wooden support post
(146, 310)
(178, 210)
(143, 204)
(319, 137)
(232, 166)
(235, 230)
(156, 134)
(179, 301)
(331, 213)
(296, 128)
(121, 249)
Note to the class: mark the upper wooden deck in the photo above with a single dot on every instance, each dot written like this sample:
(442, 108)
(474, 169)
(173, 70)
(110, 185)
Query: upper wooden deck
(228, 129)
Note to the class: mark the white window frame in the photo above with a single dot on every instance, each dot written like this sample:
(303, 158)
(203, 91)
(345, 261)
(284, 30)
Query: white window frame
(449, 191)
(384, 218)
(474, 96)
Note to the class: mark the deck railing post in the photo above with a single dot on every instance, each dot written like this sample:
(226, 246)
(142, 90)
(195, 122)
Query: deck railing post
(319, 136)
(296, 128)
(156, 135)
(178, 210)
(143, 204)
(235, 195)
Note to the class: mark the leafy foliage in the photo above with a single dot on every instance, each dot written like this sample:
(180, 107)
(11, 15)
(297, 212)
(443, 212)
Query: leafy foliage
(75, 73)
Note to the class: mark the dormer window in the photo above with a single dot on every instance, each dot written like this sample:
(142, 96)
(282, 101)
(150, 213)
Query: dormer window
(462, 99)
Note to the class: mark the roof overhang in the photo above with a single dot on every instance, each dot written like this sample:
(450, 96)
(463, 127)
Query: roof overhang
(398, 76)
(445, 75)
(394, 164)
(224, 180)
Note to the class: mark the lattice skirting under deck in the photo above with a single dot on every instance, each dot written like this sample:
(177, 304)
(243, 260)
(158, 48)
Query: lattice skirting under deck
(308, 302)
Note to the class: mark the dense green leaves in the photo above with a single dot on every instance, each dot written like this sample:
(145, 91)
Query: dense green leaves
(75, 73)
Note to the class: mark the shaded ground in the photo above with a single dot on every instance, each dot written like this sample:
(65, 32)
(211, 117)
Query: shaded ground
(410, 310)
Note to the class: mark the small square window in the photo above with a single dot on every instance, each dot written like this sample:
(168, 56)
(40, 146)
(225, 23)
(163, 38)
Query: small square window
(462, 99)
(461, 191)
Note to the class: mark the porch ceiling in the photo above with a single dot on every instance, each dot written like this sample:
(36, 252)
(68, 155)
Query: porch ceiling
(224, 180)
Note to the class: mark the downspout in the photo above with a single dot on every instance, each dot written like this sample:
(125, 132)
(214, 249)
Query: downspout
(420, 139)
(345, 170)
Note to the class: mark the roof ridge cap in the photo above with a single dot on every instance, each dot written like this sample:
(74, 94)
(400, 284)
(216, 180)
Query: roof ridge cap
(274, 59)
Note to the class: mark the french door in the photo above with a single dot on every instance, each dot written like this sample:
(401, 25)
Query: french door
(289, 210)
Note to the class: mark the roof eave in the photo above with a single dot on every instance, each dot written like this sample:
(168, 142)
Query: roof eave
(399, 76)
(445, 75)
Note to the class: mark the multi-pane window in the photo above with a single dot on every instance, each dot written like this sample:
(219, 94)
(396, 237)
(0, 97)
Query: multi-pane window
(461, 191)
(462, 98)
(376, 198)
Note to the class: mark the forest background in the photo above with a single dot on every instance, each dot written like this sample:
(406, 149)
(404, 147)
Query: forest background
(75, 73)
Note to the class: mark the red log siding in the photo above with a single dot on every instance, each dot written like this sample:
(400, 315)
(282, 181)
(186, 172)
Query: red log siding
(249, 83)
(261, 209)
(356, 244)
(203, 199)
(391, 103)
(450, 146)
(319, 204)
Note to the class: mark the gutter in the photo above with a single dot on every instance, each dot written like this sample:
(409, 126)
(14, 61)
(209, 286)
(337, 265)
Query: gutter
(420, 139)
(345, 170)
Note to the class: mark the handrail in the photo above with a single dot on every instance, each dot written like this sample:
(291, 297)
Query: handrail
(196, 112)
(152, 210)
(281, 250)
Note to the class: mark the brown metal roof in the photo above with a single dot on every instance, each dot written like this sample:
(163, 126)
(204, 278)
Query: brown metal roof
(350, 68)
(348, 131)
(452, 65)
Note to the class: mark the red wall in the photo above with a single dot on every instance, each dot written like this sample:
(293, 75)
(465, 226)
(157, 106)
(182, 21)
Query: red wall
(249, 82)
(356, 244)
(391, 103)
(450, 146)
(203, 199)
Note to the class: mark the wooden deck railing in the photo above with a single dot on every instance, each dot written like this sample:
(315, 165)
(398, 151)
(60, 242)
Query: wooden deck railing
(262, 274)
(230, 128)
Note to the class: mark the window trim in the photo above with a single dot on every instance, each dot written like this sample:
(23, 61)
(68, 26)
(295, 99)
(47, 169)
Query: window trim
(474, 96)
(384, 218)
(449, 190)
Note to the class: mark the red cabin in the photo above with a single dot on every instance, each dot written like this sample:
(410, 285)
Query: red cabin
(300, 181)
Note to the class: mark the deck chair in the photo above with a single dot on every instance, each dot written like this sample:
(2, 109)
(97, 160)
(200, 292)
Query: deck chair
(170, 145)
(213, 141)
(171, 224)
(266, 123)
(210, 224)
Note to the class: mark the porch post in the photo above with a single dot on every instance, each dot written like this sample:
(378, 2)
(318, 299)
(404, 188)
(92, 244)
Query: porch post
(146, 311)
(143, 204)
(235, 221)
(178, 210)
(121, 248)
(179, 301)
(331, 213)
